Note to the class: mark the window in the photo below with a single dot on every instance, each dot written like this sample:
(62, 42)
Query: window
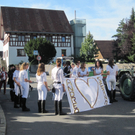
(63, 52)
(49, 38)
(33, 37)
(21, 52)
(63, 39)
(20, 38)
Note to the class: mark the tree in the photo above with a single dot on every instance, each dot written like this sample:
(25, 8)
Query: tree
(124, 35)
(131, 56)
(89, 49)
(45, 49)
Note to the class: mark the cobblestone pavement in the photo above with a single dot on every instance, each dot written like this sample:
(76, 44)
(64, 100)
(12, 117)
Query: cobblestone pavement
(115, 119)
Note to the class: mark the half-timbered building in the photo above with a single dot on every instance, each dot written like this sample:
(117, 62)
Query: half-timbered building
(19, 25)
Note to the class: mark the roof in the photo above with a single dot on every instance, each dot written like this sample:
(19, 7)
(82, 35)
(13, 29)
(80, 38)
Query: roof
(106, 48)
(35, 20)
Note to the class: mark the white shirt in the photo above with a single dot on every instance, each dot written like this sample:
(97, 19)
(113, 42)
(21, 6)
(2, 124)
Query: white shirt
(16, 75)
(41, 78)
(98, 70)
(23, 75)
(57, 76)
(82, 72)
(74, 72)
(112, 71)
(77, 69)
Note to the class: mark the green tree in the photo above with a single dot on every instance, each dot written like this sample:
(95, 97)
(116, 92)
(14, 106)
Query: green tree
(89, 49)
(45, 49)
(123, 37)
(131, 56)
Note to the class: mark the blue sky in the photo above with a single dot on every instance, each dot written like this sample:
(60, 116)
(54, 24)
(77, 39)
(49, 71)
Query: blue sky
(102, 16)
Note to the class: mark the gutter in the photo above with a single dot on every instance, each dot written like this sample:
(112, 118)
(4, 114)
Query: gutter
(38, 32)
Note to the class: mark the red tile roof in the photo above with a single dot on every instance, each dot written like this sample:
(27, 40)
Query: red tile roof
(35, 20)
(106, 48)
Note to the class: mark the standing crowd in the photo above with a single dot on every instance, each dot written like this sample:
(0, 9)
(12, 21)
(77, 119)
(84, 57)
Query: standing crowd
(18, 80)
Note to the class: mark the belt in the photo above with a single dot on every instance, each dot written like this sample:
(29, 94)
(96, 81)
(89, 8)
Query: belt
(57, 82)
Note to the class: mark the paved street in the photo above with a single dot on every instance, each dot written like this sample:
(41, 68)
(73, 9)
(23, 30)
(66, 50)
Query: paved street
(115, 119)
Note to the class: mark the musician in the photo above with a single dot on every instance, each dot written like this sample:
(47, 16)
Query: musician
(57, 76)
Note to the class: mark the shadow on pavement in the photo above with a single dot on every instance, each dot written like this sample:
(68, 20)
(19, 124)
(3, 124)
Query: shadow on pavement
(115, 119)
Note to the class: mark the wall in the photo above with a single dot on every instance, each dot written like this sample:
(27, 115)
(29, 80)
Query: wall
(13, 58)
(6, 53)
(69, 50)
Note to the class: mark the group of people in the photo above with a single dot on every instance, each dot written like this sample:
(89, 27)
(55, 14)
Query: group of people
(19, 82)
(74, 71)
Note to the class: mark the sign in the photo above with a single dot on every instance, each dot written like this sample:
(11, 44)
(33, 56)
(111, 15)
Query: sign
(38, 58)
(35, 52)
(85, 93)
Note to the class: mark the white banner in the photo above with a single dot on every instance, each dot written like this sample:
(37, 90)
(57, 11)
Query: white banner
(85, 93)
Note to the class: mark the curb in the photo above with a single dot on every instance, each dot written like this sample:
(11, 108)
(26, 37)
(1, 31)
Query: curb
(2, 122)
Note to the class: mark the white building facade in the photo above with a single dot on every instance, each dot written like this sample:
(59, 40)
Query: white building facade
(16, 31)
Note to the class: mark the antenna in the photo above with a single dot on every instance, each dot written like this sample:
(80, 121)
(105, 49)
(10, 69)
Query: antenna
(75, 14)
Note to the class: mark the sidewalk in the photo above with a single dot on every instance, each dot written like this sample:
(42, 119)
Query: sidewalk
(2, 115)
(2, 120)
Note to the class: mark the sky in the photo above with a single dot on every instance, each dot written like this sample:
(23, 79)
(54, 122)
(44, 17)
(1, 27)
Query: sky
(102, 16)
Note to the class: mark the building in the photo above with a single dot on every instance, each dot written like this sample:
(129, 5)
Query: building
(19, 25)
(105, 49)
(79, 28)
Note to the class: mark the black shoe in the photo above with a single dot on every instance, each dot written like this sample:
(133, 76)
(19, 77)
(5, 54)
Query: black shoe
(15, 106)
(60, 109)
(39, 106)
(24, 108)
(56, 107)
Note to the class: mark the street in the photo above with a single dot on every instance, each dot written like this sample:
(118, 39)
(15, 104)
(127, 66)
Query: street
(115, 119)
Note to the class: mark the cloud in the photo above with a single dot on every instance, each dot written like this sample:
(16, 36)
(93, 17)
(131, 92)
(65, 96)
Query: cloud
(105, 19)
(42, 6)
(102, 17)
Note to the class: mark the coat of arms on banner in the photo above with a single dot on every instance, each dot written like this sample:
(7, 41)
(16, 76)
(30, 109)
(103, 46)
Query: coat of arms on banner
(85, 93)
